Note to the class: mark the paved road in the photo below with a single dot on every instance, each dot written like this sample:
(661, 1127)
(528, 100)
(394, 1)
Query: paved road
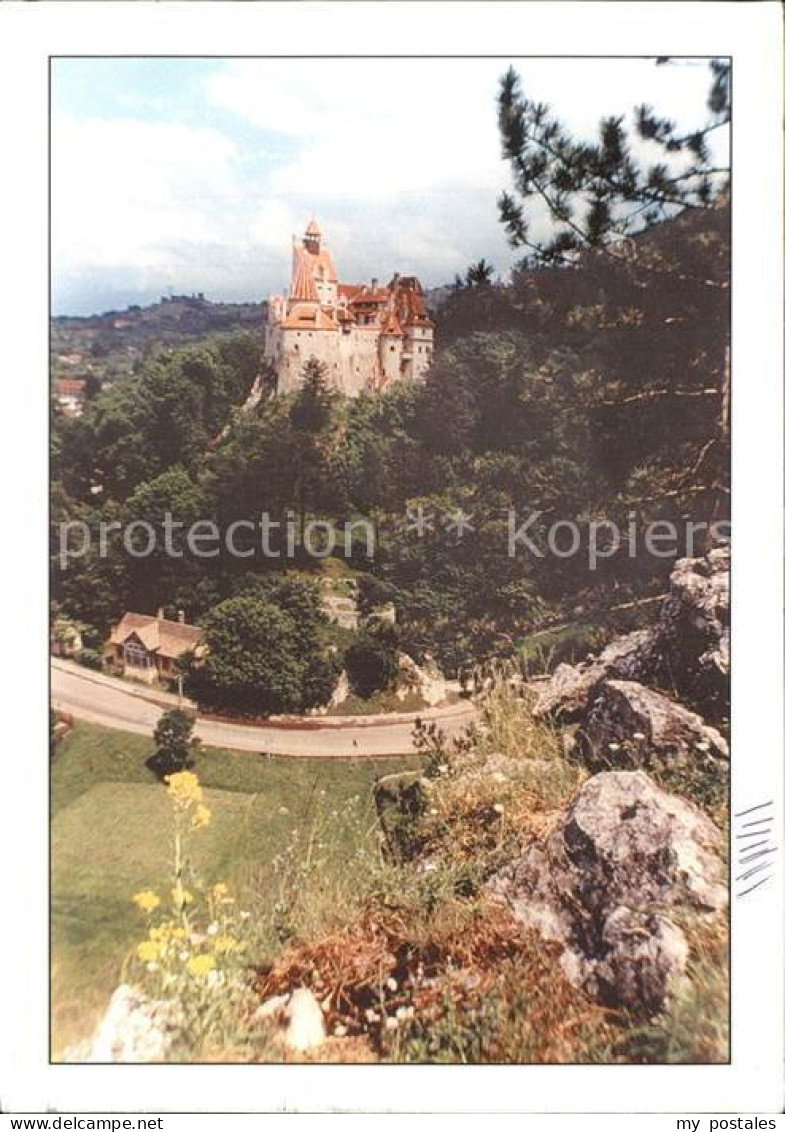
(110, 704)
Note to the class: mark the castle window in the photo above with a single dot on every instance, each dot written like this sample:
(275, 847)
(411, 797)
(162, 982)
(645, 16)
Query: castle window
(392, 347)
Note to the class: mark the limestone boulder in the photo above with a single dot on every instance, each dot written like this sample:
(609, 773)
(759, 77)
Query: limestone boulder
(566, 694)
(304, 1021)
(693, 630)
(644, 961)
(630, 726)
(623, 844)
(422, 680)
(134, 1029)
(686, 649)
(297, 1019)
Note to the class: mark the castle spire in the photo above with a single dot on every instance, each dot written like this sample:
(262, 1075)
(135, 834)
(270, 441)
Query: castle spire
(313, 237)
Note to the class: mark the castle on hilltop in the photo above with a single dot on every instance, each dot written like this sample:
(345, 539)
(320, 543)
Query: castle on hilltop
(366, 336)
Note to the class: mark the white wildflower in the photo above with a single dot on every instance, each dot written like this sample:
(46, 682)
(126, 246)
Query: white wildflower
(392, 984)
(391, 1023)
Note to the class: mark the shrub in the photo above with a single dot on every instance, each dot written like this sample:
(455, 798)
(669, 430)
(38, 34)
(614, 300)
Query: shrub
(90, 658)
(174, 742)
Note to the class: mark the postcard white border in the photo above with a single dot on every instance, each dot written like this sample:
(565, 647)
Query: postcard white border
(752, 35)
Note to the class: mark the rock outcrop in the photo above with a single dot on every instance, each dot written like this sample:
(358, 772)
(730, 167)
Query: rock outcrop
(566, 695)
(623, 853)
(629, 726)
(692, 643)
(687, 649)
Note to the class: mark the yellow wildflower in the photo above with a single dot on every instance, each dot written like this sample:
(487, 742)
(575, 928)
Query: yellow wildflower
(181, 896)
(148, 951)
(201, 965)
(220, 891)
(202, 817)
(147, 900)
(225, 943)
(184, 789)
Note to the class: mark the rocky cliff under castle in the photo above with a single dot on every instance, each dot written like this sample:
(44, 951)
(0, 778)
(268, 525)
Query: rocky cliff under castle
(367, 336)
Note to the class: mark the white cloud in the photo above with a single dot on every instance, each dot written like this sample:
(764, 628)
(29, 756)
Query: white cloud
(134, 194)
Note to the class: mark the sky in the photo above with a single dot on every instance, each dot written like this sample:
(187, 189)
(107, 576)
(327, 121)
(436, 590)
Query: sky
(183, 175)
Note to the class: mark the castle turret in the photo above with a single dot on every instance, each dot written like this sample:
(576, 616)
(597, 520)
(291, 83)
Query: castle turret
(313, 237)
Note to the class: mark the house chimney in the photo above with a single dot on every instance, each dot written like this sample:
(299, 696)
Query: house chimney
(160, 614)
(181, 616)
(374, 283)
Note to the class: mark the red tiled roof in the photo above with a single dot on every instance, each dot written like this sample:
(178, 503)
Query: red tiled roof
(167, 638)
(302, 317)
(70, 386)
(391, 325)
(303, 285)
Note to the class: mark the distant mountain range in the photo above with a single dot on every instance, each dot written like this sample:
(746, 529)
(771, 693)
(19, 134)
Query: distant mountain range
(109, 344)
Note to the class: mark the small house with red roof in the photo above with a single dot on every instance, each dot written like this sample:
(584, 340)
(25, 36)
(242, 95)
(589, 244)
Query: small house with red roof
(147, 648)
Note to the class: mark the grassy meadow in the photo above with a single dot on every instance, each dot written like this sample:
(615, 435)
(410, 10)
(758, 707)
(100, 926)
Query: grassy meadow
(279, 826)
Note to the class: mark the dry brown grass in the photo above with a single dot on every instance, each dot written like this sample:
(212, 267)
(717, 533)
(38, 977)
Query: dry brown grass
(410, 987)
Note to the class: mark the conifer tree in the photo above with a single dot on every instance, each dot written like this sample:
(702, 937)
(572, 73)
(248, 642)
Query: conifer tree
(600, 192)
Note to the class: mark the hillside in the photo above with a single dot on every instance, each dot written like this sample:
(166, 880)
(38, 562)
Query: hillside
(111, 344)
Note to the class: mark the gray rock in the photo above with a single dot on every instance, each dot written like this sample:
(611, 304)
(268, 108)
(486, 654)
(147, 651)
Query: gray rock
(567, 693)
(629, 726)
(297, 1019)
(401, 801)
(134, 1028)
(623, 843)
(305, 1021)
(693, 630)
(687, 649)
(644, 962)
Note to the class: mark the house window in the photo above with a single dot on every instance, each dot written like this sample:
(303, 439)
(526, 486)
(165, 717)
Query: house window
(136, 655)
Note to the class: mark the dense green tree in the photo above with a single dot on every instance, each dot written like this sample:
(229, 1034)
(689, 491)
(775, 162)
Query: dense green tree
(175, 745)
(257, 661)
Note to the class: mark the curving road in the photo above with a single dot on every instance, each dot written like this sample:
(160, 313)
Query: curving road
(112, 703)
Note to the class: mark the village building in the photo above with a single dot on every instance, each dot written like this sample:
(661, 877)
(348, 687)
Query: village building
(147, 648)
(366, 336)
(70, 393)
